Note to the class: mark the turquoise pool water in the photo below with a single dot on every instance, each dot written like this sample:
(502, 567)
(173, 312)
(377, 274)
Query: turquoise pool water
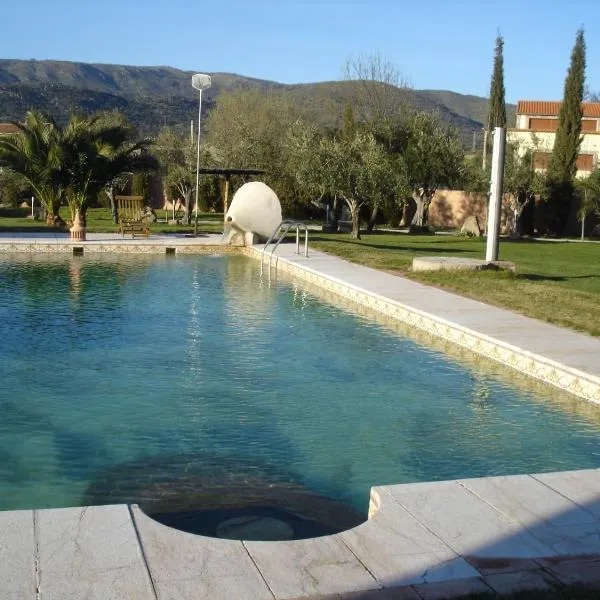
(148, 379)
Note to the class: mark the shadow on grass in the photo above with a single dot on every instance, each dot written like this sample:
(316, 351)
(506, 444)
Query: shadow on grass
(535, 277)
(387, 248)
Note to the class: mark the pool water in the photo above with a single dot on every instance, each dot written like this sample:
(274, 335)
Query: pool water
(186, 382)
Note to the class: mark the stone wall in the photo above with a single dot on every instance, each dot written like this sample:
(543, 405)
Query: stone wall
(450, 208)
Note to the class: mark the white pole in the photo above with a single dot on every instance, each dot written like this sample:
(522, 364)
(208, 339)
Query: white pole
(485, 145)
(496, 185)
(32, 201)
(583, 215)
(198, 163)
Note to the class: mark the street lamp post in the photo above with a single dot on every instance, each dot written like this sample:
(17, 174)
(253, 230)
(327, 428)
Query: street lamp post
(200, 82)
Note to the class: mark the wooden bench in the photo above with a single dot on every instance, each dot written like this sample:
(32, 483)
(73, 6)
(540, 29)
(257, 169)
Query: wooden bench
(131, 211)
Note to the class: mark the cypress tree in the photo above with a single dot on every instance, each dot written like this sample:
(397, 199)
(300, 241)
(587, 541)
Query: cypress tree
(497, 108)
(562, 165)
(349, 124)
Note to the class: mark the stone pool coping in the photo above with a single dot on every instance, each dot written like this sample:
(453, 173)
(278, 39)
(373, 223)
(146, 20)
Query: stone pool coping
(422, 541)
(560, 357)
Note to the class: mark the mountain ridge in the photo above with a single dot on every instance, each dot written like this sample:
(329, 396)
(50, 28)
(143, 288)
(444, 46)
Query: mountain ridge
(153, 96)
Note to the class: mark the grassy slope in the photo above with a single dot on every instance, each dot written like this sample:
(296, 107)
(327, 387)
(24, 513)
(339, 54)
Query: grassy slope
(555, 282)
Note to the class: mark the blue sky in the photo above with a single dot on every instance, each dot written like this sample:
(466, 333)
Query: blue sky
(435, 44)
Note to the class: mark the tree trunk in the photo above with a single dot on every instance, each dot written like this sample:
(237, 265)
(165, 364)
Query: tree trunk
(355, 212)
(422, 199)
(372, 219)
(418, 218)
(114, 211)
(53, 213)
(334, 216)
(187, 214)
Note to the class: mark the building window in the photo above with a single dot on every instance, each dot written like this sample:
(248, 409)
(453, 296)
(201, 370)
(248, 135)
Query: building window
(585, 162)
(588, 125)
(539, 124)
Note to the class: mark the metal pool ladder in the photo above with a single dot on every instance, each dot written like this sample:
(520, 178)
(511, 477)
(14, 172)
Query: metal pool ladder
(283, 229)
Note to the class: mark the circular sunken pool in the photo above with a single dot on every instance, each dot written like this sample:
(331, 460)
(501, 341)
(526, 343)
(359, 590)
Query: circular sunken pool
(223, 497)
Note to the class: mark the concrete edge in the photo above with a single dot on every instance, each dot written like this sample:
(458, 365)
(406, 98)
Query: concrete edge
(571, 380)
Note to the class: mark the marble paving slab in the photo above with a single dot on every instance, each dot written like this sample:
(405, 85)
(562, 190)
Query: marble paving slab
(186, 566)
(316, 566)
(474, 529)
(17, 555)
(92, 553)
(434, 540)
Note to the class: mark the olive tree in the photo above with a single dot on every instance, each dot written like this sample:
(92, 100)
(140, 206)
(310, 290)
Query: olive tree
(589, 192)
(521, 184)
(177, 158)
(434, 159)
(380, 103)
(248, 130)
(354, 168)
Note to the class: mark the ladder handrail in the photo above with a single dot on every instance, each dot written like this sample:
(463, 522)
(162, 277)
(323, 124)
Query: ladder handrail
(286, 224)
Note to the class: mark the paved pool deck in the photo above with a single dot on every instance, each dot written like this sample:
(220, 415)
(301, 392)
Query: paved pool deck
(422, 541)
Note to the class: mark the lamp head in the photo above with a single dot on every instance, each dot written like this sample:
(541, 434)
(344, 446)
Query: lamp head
(200, 81)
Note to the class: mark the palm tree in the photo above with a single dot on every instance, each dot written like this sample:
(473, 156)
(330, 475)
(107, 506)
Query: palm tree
(36, 153)
(97, 152)
(126, 155)
(76, 162)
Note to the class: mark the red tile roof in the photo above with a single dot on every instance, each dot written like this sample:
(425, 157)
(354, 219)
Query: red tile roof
(548, 109)
(8, 128)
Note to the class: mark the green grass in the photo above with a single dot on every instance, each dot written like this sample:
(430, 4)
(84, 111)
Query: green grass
(558, 282)
(99, 220)
(558, 593)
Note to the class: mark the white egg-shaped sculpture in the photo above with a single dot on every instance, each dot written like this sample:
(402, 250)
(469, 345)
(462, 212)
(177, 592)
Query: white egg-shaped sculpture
(255, 208)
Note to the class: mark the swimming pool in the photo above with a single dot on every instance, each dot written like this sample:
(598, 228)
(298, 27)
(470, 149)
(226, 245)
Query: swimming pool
(175, 381)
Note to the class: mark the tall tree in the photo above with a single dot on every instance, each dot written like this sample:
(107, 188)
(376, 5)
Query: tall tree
(354, 168)
(381, 100)
(177, 158)
(497, 108)
(36, 154)
(96, 150)
(380, 91)
(433, 157)
(590, 195)
(521, 184)
(247, 129)
(562, 165)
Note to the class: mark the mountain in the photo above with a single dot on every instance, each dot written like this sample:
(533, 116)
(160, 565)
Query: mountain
(153, 97)
(468, 106)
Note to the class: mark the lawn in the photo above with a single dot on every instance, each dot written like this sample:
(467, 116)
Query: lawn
(558, 593)
(99, 220)
(558, 282)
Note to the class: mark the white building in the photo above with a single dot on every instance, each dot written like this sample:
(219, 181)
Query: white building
(536, 126)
